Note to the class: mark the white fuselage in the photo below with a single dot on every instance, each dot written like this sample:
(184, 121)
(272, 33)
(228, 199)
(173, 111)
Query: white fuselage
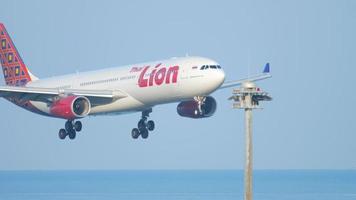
(145, 84)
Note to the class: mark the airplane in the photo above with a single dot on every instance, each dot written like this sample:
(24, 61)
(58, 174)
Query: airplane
(188, 81)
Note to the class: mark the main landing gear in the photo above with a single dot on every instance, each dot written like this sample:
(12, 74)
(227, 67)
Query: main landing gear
(143, 126)
(71, 129)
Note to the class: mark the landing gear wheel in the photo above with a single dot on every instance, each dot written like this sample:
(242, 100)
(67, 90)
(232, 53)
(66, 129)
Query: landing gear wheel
(62, 134)
(72, 134)
(141, 124)
(135, 133)
(144, 133)
(78, 126)
(68, 126)
(150, 125)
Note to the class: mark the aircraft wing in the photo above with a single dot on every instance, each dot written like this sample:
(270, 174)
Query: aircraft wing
(96, 97)
(264, 75)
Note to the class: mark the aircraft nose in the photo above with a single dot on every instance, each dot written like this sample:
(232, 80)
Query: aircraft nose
(220, 77)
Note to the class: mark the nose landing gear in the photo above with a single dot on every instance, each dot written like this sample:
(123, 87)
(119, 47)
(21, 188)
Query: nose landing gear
(143, 126)
(200, 100)
(71, 129)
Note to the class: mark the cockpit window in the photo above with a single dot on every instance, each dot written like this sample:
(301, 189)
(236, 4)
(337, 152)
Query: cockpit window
(210, 66)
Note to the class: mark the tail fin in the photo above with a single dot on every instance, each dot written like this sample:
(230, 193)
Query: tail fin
(266, 69)
(14, 69)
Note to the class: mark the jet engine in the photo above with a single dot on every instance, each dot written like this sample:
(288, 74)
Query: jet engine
(191, 108)
(71, 107)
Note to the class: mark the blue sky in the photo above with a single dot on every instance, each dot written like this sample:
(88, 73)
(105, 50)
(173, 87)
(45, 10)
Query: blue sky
(310, 124)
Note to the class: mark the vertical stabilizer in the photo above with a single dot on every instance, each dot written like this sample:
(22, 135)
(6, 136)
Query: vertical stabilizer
(14, 69)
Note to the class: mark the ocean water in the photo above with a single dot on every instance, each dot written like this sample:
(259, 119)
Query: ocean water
(176, 185)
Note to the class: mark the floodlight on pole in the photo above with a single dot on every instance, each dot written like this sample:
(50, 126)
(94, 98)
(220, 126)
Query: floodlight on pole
(247, 97)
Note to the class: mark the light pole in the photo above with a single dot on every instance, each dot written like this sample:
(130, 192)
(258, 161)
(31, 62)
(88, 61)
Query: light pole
(247, 97)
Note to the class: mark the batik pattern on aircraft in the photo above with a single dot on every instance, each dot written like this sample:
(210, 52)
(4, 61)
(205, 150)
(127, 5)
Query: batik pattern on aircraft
(15, 71)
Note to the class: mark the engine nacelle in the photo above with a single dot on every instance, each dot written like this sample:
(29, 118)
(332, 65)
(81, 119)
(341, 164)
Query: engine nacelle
(191, 108)
(71, 107)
